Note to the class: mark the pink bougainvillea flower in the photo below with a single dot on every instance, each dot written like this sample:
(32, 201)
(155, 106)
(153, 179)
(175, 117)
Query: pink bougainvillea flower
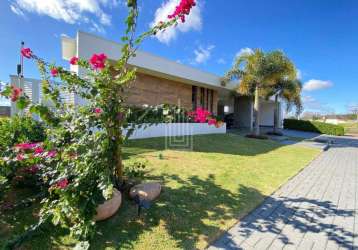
(98, 61)
(26, 52)
(39, 150)
(15, 93)
(54, 72)
(212, 121)
(74, 60)
(62, 184)
(51, 154)
(27, 145)
(201, 115)
(98, 110)
(20, 157)
(182, 9)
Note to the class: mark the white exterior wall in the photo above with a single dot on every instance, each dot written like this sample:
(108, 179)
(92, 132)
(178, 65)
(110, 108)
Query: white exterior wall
(267, 113)
(176, 129)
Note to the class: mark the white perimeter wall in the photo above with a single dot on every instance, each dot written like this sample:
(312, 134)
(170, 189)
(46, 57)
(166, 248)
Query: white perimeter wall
(176, 129)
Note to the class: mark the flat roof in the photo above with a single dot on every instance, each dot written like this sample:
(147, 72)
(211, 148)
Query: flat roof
(85, 44)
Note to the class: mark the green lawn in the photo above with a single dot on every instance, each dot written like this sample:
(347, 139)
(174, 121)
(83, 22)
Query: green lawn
(205, 191)
(350, 127)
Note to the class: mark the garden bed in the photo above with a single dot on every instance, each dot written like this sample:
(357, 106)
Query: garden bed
(205, 191)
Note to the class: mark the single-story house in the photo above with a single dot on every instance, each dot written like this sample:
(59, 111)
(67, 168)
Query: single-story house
(160, 80)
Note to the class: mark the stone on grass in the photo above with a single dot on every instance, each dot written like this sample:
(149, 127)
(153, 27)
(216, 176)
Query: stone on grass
(146, 191)
(109, 207)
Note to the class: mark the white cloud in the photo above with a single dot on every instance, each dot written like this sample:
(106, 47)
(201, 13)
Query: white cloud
(244, 51)
(95, 27)
(314, 84)
(221, 61)
(192, 22)
(310, 103)
(69, 11)
(203, 54)
(17, 10)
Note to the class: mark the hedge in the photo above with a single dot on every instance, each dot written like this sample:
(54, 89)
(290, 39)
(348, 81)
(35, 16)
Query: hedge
(313, 126)
(20, 129)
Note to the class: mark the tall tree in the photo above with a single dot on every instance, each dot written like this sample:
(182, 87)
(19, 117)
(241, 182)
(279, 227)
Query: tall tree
(257, 73)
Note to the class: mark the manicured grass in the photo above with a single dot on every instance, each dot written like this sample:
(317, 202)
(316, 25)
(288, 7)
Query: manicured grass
(350, 128)
(205, 191)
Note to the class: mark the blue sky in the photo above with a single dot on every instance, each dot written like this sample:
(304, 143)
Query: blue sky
(321, 37)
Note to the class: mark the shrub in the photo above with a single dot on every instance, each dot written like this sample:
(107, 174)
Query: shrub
(20, 129)
(313, 126)
(163, 113)
(13, 131)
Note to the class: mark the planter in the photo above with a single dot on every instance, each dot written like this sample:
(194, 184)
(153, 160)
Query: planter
(146, 191)
(109, 207)
(177, 129)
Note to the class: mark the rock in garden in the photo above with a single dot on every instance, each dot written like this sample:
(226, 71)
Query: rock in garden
(146, 191)
(109, 207)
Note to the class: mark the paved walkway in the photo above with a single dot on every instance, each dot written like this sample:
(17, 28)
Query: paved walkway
(317, 209)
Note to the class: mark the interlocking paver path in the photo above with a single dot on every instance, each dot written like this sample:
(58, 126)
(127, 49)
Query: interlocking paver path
(317, 209)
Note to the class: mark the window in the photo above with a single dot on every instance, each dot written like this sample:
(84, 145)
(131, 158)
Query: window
(194, 96)
(206, 98)
(212, 100)
(202, 97)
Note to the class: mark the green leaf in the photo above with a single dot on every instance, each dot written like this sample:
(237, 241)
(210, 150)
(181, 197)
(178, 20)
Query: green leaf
(6, 92)
(23, 102)
(3, 180)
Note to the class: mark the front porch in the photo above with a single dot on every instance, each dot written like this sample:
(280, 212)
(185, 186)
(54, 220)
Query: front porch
(240, 110)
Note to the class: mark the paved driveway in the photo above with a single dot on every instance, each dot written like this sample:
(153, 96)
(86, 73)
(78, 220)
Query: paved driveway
(317, 209)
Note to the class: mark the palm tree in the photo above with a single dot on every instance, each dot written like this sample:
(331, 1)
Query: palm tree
(289, 91)
(257, 73)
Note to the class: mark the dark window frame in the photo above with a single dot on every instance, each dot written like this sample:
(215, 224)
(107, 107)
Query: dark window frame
(202, 97)
(211, 100)
(194, 97)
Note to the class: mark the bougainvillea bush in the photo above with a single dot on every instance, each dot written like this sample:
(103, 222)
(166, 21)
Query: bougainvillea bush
(14, 131)
(81, 161)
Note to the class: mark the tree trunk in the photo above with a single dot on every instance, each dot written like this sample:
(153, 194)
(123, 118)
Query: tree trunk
(118, 156)
(275, 115)
(119, 164)
(257, 112)
(115, 139)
